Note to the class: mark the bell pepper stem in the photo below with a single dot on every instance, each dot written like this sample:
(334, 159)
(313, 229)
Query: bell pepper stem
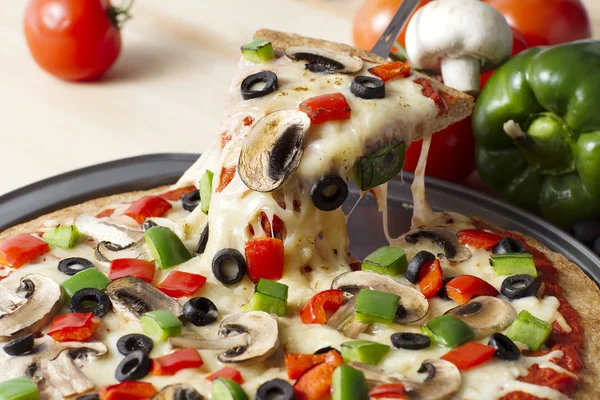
(225, 343)
(462, 73)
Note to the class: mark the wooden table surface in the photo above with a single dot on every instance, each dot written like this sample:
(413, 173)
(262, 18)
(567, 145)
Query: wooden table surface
(164, 94)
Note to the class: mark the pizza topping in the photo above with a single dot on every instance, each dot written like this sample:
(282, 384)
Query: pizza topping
(206, 190)
(73, 327)
(227, 389)
(529, 330)
(375, 307)
(323, 60)
(200, 311)
(191, 200)
(229, 266)
(175, 362)
(413, 270)
(166, 247)
(270, 297)
(203, 241)
(388, 391)
(349, 384)
(227, 372)
(391, 70)
(90, 300)
(106, 252)
(329, 193)
(102, 230)
(181, 284)
(265, 258)
(469, 355)
(386, 260)
(63, 236)
(19, 388)
(410, 341)
(146, 207)
(20, 345)
(364, 351)
(258, 51)
(344, 321)
(368, 87)
(478, 238)
(73, 265)
(506, 349)
(513, 264)
(135, 366)
(379, 167)
(128, 390)
(431, 278)
(123, 267)
(179, 391)
(509, 245)
(88, 278)
(485, 315)
(315, 383)
(448, 331)
(275, 389)
(443, 293)
(315, 311)
(465, 287)
(21, 249)
(325, 108)
(134, 342)
(440, 241)
(519, 286)
(266, 80)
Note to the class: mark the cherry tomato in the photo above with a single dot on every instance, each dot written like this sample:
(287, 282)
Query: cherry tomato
(75, 40)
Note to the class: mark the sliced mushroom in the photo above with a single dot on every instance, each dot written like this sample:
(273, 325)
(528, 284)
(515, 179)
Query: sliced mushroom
(107, 252)
(272, 150)
(179, 391)
(9, 301)
(412, 301)
(42, 300)
(324, 60)
(485, 315)
(65, 376)
(376, 376)
(247, 338)
(131, 297)
(105, 231)
(343, 320)
(438, 240)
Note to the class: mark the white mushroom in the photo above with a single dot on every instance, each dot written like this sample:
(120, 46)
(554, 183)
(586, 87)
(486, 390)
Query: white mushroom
(9, 301)
(343, 320)
(485, 315)
(437, 240)
(322, 60)
(105, 231)
(460, 38)
(178, 391)
(107, 252)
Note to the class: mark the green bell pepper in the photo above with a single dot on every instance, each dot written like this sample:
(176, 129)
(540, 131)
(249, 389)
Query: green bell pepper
(386, 260)
(364, 351)
(548, 160)
(206, 190)
(227, 389)
(269, 296)
(63, 236)
(513, 264)
(529, 330)
(378, 168)
(349, 384)
(258, 51)
(372, 306)
(88, 278)
(19, 389)
(166, 247)
(448, 331)
(160, 325)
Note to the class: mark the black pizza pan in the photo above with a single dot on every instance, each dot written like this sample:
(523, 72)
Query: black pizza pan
(364, 224)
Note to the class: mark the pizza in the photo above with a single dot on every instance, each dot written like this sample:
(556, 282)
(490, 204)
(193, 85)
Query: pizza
(237, 282)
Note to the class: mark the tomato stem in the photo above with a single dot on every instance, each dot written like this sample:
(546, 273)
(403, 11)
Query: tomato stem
(119, 15)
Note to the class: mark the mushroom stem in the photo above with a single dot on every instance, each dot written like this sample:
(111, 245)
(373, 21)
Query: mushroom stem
(65, 376)
(462, 73)
(224, 343)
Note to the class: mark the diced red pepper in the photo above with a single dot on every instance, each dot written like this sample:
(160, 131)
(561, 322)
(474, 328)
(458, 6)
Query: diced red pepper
(327, 107)
(479, 239)
(297, 364)
(105, 213)
(315, 311)
(73, 327)
(123, 267)
(264, 257)
(469, 355)
(146, 207)
(21, 249)
(389, 391)
(247, 121)
(227, 174)
(175, 194)
(128, 390)
(464, 287)
(175, 362)
(227, 372)
(429, 92)
(315, 384)
(391, 70)
(225, 138)
(181, 284)
(431, 278)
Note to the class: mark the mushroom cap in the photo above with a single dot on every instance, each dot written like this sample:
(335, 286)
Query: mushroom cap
(178, 391)
(437, 240)
(458, 28)
(442, 382)
(325, 60)
(105, 231)
(485, 315)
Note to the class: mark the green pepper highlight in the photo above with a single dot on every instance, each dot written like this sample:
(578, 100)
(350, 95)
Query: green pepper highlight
(206, 190)
(227, 389)
(19, 389)
(364, 351)
(386, 260)
(258, 51)
(270, 297)
(272, 288)
(529, 330)
(63, 236)
(88, 278)
(379, 167)
(349, 384)
(513, 264)
(372, 306)
(448, 331)
(166, 247)
(160, 325)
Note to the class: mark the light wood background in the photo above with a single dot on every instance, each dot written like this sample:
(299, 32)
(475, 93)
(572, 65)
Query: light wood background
(164, 94)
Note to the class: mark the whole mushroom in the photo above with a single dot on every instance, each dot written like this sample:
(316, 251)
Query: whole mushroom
(459, 38)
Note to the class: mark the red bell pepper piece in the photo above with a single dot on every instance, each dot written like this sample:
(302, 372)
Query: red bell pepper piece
(105, 213)
(21, 249)
(175, 194)
(391, 70)
(431, 278)
(327, 107)
(148, 206)
(297, 364)
(264, 257)
(181, 284)
(175, 362)
(464, 287)
(315, 383)
(247, 121)
(128, 390)
(123, 267)
(275, 229)
(227, 372)
(389, 391)
(429, 91)
(315, 311)
(479, 239)
(469, 355)
(227, 174)
(73, 327)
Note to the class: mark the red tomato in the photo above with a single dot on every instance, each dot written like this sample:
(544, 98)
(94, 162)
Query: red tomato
(128, 391)
(175, 362)
(464, 287)
(146, 207)
(21, 249)
(327, 107)
(73, 326)
(546, 22)
(469, 355)
(389, 391)
(181, 284)
(431, 278)
(519, 44)
(315, 311)
(265, 257)
(75, 40)
(123, 267)
(227, 372)
(478, 239)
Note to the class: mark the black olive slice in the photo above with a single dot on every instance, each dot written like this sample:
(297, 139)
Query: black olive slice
(509, 245)
(73, 265)
(91, 396)
(410, 341)
(368, 87)
(134, 342)
(19, 346)
(329, 193)
(229, 266)
(327, 349)
(148, 224)
(267, 77)
(275, 389)
(518, 286)
(443, 293)
(506, 349)
(190, 201)
(415, 265)
(187, 394)
(90, 300)
(133, 367)
(200, 311)
(203, 241)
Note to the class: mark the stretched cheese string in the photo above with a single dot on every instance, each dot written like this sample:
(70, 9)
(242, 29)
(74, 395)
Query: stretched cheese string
(422, 212)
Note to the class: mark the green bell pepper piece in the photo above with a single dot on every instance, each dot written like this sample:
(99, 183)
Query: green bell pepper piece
(88, 278)
(258, 51)
(268, 304)
(372, 306)
(227, 389)
(349, 384)
(206, 190)
(272, 288)
(19, 389)
(63, 236)
(160, 325)
(448, 331)
(550, 162)
(529, 330)
(513, 264)
(166, 247)
(386, 260)
(377, 168)
(364, 351)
